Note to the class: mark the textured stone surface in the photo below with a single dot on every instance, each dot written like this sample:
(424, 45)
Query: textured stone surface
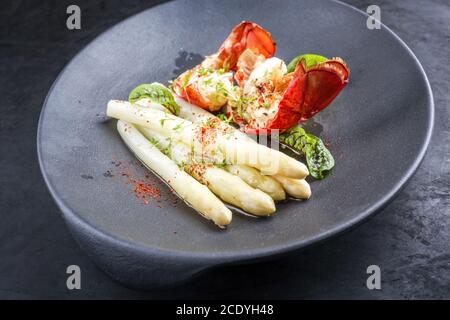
(409, 239)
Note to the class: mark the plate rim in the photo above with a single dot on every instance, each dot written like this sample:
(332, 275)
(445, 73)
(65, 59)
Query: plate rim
(245, 254)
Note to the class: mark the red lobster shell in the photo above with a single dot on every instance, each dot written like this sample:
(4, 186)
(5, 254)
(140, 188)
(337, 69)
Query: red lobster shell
(309, 91)
(246, 35)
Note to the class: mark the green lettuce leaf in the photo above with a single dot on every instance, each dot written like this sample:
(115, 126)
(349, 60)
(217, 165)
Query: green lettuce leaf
(319, 159)
(310, 59)
(157, 93)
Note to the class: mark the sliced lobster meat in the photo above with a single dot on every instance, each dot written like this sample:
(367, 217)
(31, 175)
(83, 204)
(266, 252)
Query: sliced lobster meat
(309, 91)
(247, 62)
(204, 88)
(203, 84)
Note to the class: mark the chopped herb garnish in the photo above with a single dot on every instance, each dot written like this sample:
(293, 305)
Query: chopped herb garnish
(162, 121)
(266, 104)
(185, 80)
(177, 127)
(154, 141)
(223, 117)
(204, 71)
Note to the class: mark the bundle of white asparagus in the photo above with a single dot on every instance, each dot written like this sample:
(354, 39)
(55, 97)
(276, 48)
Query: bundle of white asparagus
(203, 159)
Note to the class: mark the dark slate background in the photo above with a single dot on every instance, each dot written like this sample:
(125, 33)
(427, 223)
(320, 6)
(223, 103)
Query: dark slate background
(409, 240)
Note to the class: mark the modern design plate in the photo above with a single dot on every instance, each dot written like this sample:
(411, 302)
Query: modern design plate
(379, 127)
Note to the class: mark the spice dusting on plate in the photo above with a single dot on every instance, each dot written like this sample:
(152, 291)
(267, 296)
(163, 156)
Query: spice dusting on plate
(147, 189)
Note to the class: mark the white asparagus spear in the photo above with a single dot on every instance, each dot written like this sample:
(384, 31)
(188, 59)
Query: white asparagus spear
(250, 175)
(193, 192)
(255, 179)
(228, 187)
(235, 150)
(297, 188)
(196, 114)
(191, 112)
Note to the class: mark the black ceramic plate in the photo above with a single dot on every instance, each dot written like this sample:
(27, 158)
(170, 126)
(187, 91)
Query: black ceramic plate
(379, 128)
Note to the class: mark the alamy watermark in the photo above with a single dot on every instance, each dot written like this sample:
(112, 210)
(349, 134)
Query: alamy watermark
(74, 279)
(374, 19)
(73, 21)
(374, 280)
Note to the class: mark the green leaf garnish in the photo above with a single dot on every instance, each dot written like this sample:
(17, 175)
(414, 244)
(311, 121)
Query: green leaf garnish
(310, 59)
(177, 127)
(319, 159)
(223, 117)
(157, 93)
